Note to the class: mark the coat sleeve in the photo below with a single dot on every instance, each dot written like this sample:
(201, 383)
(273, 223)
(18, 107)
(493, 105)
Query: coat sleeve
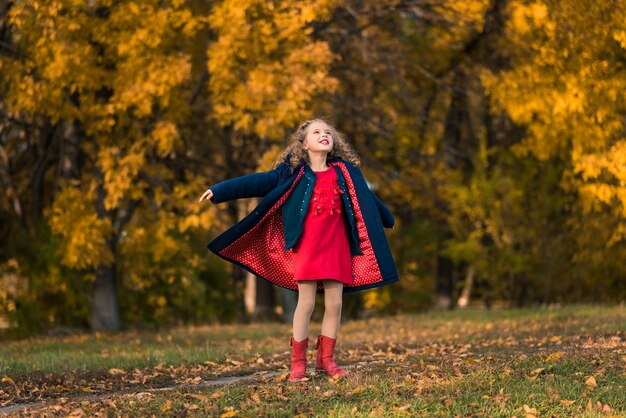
(385, 213)
(250, 185)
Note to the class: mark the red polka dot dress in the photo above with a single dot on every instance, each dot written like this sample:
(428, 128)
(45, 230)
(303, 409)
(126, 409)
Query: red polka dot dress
(323, 251)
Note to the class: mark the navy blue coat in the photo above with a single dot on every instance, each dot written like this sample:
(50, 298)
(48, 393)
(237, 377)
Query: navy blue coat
(261, 241)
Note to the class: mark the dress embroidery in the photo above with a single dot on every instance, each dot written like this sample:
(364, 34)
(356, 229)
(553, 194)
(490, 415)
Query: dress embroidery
(323, 251)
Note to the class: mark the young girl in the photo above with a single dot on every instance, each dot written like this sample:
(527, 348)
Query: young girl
(318, 229)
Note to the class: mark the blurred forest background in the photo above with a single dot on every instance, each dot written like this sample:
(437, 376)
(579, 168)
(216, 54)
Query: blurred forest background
(494, 130)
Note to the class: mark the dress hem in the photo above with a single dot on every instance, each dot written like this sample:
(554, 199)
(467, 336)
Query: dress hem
(323, 278)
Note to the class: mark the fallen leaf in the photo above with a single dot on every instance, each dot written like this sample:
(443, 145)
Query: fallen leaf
(328, 393)
(555, 356)
(356, 391)
(591, 382)
(116, 372)
(402, 408)
(10, 381)
(77, 413)
(530, 410)
(166, 406)
(607, 409)
(567, 402)
(198, 397)
(216, 395)
(141, 395)
(232, 413)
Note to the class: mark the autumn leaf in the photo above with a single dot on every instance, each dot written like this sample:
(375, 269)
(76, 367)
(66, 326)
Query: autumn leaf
(535, 374)
(231, 413)
(144, 396)
(555, 356)
(402, 408)
(530, 412)
(591, 382)
(166, 406)
(117, 372)
(356, 391)
(10, 381)
(199, 397)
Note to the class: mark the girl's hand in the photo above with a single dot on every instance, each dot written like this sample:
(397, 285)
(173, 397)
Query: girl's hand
(206, 195)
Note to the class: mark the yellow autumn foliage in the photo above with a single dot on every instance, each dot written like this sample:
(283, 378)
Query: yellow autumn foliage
(566, 87)
(264, 69)
(72, 216)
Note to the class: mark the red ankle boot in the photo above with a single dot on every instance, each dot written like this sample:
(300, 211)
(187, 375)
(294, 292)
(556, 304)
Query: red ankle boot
(325, 351)
(298, 358)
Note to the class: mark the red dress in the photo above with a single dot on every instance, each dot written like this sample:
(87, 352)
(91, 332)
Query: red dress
(323, 251)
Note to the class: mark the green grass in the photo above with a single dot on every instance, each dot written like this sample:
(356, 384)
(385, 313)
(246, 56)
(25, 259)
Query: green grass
(557, 362)
(100, 351)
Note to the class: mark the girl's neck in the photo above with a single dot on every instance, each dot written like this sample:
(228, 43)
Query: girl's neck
(318, 161)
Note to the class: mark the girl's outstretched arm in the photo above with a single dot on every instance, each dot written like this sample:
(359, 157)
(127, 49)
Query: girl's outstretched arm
(250, 185)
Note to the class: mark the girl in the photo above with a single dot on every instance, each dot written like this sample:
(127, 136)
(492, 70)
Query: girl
(318, 229)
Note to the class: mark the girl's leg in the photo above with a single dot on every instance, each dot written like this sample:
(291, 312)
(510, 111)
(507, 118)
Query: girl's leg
(333, 294)
(304, 309)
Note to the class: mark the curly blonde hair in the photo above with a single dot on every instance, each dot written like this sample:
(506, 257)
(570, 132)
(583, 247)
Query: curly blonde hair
(341, 148)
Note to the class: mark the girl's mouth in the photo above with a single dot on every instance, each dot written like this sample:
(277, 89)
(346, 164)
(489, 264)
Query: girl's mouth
(324, 141)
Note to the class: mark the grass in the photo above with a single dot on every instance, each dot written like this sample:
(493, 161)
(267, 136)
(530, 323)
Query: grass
(101, 351)
(558, 362)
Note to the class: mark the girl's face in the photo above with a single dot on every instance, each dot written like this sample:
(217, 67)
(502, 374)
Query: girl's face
(318, 138)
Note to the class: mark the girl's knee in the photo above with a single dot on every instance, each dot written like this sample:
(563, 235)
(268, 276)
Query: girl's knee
(333, 305)
(306, 306)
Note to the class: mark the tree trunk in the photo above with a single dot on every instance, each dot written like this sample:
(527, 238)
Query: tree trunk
(445, 283)
(467, 287)
(288, 301)
(104, 306)
(249, 293)
(264, 302)
(105, 310)
(37, 175)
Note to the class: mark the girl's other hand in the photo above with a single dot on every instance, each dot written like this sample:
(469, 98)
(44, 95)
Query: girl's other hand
(206, 195)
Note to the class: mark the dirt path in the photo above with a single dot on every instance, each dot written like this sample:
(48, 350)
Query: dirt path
(205, 384)
(221, 381)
